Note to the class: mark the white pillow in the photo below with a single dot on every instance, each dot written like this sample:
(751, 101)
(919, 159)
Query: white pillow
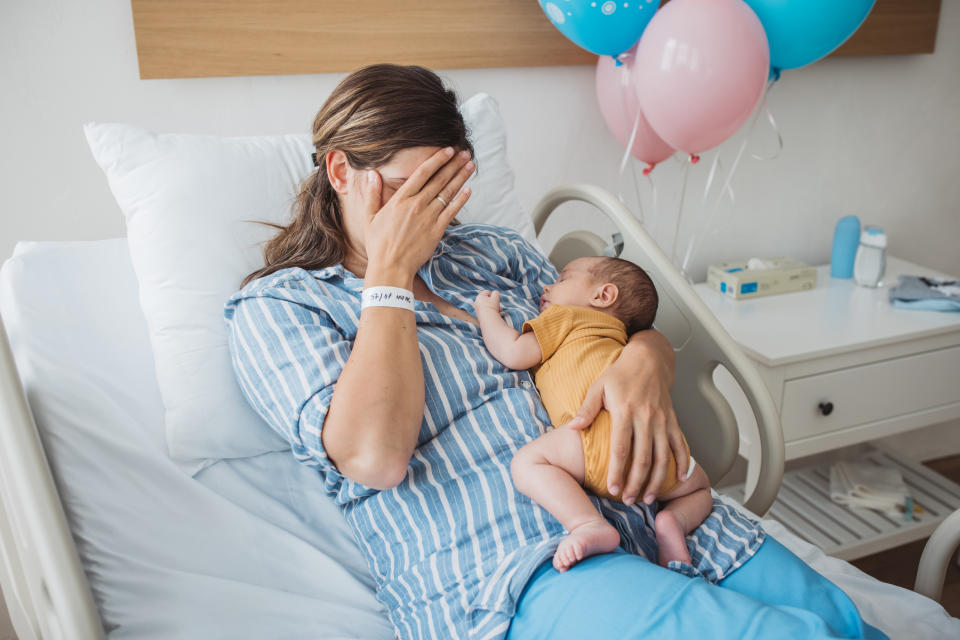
(494, 200)
(190, 203)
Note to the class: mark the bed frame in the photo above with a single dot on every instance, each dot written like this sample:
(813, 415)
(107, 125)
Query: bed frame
(43, 579)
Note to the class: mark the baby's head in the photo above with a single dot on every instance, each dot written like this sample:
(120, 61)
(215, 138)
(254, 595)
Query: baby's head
(611, 285)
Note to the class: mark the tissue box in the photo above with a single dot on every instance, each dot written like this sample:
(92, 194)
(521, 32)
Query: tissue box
(735, 280)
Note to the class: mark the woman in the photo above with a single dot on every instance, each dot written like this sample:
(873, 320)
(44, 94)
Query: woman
(357, 343)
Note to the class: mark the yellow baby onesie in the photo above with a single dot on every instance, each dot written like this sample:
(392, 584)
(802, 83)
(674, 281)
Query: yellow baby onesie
(577, 344)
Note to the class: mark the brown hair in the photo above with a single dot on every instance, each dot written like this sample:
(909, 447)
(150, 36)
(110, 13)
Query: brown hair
(373, 113)
(636, 304)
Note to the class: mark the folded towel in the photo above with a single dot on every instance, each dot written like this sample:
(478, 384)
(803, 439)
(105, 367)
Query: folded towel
(871, 486)
(934, 294)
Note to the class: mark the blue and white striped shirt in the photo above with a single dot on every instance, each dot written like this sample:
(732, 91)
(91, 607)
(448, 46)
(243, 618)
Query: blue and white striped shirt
(453, 545)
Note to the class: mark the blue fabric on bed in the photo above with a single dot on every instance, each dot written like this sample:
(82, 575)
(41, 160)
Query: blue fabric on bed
(618, 595)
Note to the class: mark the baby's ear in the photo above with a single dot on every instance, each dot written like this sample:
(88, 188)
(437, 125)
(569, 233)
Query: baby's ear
(605, 295)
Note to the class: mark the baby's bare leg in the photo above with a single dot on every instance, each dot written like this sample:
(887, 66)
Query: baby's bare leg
(550, 471)
(687, 506)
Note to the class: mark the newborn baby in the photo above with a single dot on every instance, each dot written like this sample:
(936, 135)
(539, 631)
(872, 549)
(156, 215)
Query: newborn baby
(584, 322)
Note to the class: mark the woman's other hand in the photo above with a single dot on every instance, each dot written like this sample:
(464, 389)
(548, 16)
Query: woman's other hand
(403, 233)
(635, 390)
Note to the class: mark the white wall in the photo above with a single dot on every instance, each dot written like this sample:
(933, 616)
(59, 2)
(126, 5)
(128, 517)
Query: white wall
(874, 136)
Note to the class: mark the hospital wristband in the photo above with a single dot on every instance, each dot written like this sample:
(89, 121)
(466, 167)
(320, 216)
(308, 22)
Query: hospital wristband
(386, 297)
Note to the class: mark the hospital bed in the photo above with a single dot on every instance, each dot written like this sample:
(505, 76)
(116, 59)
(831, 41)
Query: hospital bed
(102, 534)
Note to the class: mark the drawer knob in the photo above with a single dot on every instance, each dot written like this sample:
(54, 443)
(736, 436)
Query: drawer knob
(826, 408)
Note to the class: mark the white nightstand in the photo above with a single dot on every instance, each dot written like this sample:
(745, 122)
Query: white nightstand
(843, 367)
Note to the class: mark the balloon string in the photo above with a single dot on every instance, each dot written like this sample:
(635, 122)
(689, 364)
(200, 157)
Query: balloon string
(654, 211)
(636, 189)
(698, 236)
(620, 197)
(773, 125)
(624, 84)
(715, 168)
(633, 136)
(676, 228)
(624, 87)
(710, 176)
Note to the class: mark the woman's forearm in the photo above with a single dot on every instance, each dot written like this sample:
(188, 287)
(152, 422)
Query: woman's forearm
(653, 344)
(371, 429)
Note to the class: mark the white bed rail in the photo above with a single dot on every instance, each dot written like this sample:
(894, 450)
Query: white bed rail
(41, 575)
(936, 557)
(700, 343)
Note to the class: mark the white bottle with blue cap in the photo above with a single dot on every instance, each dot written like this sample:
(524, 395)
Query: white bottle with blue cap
(871, 261)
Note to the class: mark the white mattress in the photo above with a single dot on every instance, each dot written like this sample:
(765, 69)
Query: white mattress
(248, 548)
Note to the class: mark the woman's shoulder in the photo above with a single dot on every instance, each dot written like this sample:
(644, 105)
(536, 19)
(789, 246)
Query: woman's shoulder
(297, 285)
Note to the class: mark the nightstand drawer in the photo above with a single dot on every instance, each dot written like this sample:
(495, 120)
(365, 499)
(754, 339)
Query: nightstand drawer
(828, 402)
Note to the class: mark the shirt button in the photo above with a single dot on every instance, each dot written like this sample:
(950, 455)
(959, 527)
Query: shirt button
(525, 384)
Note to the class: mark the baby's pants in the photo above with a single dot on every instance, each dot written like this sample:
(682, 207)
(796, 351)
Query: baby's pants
(618, 595)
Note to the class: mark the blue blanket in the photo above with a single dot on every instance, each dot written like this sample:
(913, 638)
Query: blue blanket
(618, 595)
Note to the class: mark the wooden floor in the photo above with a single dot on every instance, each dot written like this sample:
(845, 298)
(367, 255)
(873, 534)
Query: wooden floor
(899, 565)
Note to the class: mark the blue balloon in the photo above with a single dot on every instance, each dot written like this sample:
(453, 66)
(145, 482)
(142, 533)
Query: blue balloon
(803, 31)
(604, 27)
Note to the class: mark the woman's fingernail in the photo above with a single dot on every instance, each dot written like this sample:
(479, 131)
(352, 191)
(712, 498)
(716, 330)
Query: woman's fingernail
(464, 154)
(448, 151)
(628, 501)
(648, 499)
(469, 166)
(614, 489)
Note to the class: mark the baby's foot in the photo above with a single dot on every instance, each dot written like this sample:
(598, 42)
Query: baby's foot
(589, 539)
(671, 540)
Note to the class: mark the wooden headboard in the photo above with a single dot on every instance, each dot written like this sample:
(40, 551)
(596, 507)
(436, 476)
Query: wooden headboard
(203, 38)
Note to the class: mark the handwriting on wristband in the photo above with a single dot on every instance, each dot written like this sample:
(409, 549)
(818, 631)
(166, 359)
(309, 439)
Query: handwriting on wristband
(383, 296)
(389, 296)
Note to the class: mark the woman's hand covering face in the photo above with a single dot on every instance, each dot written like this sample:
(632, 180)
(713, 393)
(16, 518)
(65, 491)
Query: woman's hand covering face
(403, 233)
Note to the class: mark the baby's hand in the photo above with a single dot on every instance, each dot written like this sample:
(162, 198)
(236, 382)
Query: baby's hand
(487, 300)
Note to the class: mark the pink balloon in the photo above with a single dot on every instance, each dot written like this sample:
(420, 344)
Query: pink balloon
(619, 106)
(700, 71)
